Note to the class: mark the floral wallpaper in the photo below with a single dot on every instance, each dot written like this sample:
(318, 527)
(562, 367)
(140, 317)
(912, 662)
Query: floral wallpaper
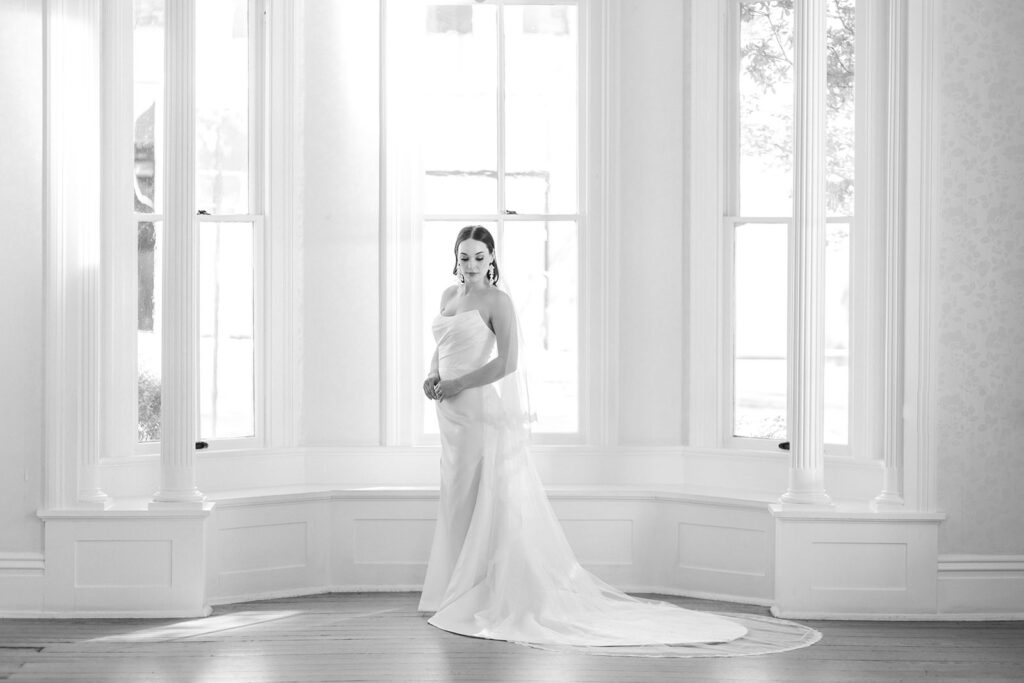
(980, 275)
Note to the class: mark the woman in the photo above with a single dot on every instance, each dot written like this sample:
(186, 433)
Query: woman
(500, 566)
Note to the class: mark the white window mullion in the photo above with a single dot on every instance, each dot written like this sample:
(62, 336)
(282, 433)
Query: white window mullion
(501, 208)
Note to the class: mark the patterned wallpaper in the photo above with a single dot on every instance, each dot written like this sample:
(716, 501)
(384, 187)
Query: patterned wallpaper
(980, 274)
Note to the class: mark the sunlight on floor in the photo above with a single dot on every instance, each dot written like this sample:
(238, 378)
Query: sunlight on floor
(199, 627)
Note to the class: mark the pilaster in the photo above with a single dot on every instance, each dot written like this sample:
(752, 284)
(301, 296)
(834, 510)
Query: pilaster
(72, 251)
(892, 446)
(119, 365)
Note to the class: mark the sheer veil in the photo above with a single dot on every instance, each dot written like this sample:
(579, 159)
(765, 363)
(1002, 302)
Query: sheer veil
(514, 388)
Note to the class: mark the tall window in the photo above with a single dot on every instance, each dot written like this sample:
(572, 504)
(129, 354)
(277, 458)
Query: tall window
(228, 211)
(759, 217)
(499, 129)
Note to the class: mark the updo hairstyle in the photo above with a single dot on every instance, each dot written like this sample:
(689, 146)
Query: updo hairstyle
(480, 234)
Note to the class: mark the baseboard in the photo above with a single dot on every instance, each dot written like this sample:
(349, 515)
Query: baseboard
(969, 588)
(21, 564)
(700, 595)
(105, 614)
(928, 616)
(981, 586)
(271, 595)
(416, 588)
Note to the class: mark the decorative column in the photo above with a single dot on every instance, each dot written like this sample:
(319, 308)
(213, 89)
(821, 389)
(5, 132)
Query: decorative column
(72, 252)
(120, 237)
(891, 496)
(807, 259)
(179, 338)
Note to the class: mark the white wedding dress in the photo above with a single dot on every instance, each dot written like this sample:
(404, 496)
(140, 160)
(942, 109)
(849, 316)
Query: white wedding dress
(500, 566)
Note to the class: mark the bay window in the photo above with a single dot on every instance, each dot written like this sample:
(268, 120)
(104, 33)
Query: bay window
(757, 205)
(227, 177)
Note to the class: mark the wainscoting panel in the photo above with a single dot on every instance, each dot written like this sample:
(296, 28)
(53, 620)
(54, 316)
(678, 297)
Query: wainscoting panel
(719, 550)
(609, 537)
(844, 562)
(601, 541)
(125, 562)
(262, 547)
(863, 564)
(379, 542)
(392, 541)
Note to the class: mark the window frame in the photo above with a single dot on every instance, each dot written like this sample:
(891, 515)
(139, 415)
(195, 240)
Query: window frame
(714, 212)
(401, 419)
(120, 72)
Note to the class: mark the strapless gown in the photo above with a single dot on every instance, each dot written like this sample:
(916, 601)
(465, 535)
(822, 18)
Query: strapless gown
(500, 566)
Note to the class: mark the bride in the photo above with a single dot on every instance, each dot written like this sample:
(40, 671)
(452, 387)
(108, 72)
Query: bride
(500, 566)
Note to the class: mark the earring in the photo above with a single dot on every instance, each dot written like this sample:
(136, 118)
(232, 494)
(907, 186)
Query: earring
(460, 276)
(490, 273)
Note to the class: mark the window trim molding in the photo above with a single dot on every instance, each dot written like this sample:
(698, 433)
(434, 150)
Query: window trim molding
(707, 104)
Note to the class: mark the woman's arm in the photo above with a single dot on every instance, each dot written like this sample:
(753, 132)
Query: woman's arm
(433, 366)
(504, 322)
(434, 375)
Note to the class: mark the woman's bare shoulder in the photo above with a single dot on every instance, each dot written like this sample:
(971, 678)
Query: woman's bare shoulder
(498, 301)
(446, 296)
(497, 297)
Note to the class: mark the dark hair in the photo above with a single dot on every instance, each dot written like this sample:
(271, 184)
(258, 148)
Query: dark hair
(480, 234)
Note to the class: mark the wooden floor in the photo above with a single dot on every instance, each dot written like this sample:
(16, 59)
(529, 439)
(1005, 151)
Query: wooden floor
(381, 637)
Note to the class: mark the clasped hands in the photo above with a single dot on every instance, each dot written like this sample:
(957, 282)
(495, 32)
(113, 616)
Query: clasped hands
(438, 389)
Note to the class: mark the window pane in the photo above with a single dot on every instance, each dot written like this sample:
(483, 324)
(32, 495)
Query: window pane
(759, 370)
(150, 237)
(539, 262)
(837, 333)
(766, 108)
(459, 113)
(226, 352)
(222, 106)
(540, 109)
(839, 110)
(148, 107)
(438, 242)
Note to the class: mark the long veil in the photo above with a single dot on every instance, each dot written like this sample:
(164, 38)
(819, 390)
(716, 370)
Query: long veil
(517, 578)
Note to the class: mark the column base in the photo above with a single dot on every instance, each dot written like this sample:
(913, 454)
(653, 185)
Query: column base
(184, 500)
(805, 499)
(94, 503)
(887, 501)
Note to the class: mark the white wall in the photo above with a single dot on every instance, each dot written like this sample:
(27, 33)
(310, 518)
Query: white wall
(21, 275)
(341, 359)
(980, 297)
(652, 236)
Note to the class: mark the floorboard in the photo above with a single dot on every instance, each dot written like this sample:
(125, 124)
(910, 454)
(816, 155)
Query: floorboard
(381, 637)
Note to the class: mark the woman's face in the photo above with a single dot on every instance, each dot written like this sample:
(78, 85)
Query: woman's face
(474, 258)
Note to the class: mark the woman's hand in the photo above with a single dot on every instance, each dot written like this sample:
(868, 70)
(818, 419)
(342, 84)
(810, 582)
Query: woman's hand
(428, 385)
(448, 388)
